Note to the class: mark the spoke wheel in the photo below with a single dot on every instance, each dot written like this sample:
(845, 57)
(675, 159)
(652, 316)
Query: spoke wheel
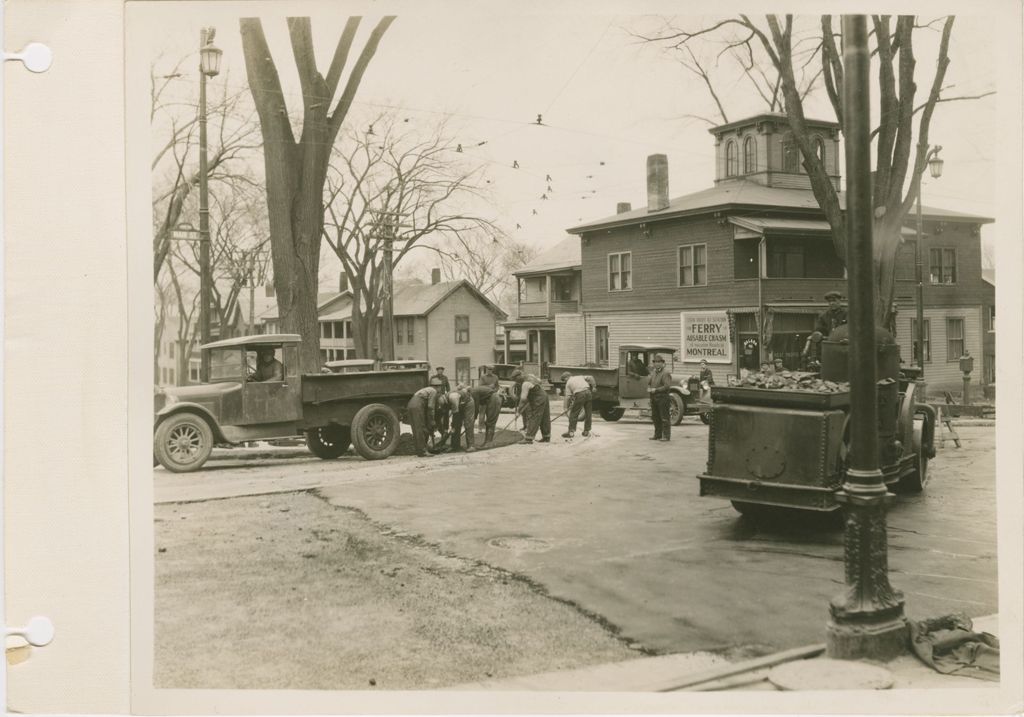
(183, 442)
(676, 409)
(328, 442)
(375, 431)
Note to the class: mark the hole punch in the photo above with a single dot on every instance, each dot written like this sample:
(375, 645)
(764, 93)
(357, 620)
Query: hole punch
(38, 632)
(35, 56)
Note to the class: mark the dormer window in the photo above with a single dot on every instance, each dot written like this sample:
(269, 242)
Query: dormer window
(749, 155)
(732, 160)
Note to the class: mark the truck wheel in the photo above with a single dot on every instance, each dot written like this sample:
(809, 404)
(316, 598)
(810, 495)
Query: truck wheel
(676, 409)
(611, 413)
(705, 418)
(183, 442)
(375, 431)
(915, 481)
(328, 441)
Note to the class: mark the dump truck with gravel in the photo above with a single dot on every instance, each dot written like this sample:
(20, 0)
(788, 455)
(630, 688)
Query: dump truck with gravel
(245, 401)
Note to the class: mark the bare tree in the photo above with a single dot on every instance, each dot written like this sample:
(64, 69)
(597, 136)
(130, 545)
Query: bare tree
(488, 261)
(174, 116)
(774, 53)
(296, 170)
(389, 191)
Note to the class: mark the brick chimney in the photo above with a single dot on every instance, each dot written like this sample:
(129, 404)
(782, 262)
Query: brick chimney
(657, 182)
(342, 282)
(435, 276)
(623, 207)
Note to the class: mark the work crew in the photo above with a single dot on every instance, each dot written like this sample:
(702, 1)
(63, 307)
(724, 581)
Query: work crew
(534, 406)
(658, 385)
(488, 406)
(833, 316)
(579, 396)
(421, 410)
(463, 412)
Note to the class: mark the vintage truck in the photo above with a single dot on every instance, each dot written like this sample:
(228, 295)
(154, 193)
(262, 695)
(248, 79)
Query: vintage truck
(624, 388)
(333, 410)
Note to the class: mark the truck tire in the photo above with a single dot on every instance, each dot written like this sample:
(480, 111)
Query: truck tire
(611, 413)
(915, 480)
(328, 442)
(183, 442)
(676, 409)
(375, 431)
(705, 417)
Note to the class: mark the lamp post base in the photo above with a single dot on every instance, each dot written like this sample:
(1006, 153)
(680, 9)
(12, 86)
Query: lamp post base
(875, 641)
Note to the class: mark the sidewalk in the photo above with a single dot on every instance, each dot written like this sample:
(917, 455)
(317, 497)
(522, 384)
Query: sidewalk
(705, 672)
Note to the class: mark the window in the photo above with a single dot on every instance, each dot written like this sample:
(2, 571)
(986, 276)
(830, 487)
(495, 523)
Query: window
(339, 330)
(693, 265)
(561, 288)
(399, 330)
(819, 149)
(325, 330)
(620, 271)
(790, 156)
(954, 339)
(462, 329)
(170, 349)
(927, 341)
(749, 155)
(786, 260)
(324, 356)
(462, 370)
(348, 328)
(601, 344)
(410, 330)
(193, 373)
(170, 375)
(732, 160)
(942, 265)
(992, 318)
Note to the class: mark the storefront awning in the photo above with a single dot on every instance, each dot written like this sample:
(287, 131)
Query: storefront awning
(797, 308)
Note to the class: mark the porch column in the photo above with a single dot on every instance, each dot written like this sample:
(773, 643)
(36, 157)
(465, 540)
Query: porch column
(547, 299)
(508, 351)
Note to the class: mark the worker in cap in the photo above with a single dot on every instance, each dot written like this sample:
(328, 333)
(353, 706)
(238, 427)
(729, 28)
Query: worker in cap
(579, 397)
(487, 398)
(659, 385)
(420, 413)
(811, 355)
(833, 316)
(534, 406)
(440, 384)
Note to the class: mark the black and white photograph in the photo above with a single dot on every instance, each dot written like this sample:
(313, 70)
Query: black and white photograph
(539, 358)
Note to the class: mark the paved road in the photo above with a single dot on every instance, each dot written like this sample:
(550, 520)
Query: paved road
(614, 525)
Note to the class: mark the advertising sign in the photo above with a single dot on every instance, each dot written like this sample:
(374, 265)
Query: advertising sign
(706, 336)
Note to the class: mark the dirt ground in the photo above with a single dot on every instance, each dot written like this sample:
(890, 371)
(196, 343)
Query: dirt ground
(389, 610)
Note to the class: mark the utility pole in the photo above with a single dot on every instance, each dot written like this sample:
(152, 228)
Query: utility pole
(387, 337)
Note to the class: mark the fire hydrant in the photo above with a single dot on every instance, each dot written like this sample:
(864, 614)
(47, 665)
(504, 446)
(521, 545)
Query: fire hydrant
(967, 365)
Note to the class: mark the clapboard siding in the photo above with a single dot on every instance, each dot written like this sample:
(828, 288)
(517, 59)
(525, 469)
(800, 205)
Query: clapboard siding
(970, 288)
(570, 339)
(633, 327)
(943, 373)
(656, 267)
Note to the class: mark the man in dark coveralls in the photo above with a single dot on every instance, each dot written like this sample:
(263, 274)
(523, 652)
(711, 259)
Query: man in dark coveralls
(420, 413)
(463, 412)
(833, 316)
(658, 385)
(533, 404)
(488, 406)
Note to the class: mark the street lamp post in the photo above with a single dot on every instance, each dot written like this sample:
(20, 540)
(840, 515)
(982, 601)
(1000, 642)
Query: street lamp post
(209, 66)
(866, 620)
(935, 167)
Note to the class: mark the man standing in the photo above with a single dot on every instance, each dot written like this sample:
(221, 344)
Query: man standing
(420, 411)
(442, 380)
(833, 316)
(579, 396)
(658, 385)
(463, 412)
(533, 404)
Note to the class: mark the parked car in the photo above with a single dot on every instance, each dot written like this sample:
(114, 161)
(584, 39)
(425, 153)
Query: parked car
(350, 366)
(333, 410)
(624, 388)
(404, 365)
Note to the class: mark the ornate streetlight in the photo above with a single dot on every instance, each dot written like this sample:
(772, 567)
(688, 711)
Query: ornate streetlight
(935, 167)
(209, 66)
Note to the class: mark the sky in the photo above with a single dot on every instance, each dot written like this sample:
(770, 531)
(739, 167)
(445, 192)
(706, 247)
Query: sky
(605, 99)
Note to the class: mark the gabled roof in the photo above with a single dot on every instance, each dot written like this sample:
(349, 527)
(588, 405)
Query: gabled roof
(420, 299)
(563, 255)
(744, 193)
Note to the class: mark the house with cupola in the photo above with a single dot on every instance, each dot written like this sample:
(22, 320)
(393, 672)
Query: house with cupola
(736, 273)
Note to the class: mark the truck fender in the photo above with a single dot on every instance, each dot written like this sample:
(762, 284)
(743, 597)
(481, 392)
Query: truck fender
(188, 407)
